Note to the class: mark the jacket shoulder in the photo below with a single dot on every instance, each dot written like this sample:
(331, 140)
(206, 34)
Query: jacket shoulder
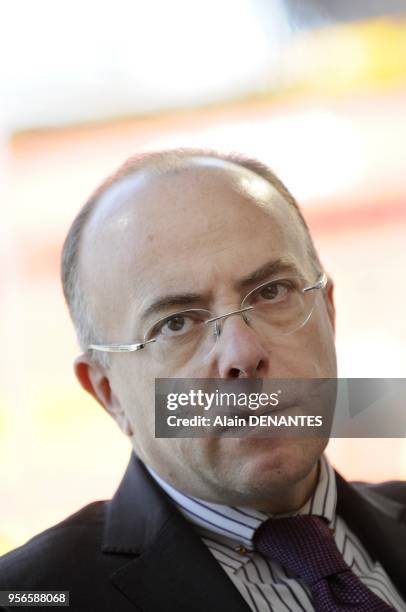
(51, 553)
(392, 489)
(388, 497)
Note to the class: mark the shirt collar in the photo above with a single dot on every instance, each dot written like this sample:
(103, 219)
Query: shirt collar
(238, 523)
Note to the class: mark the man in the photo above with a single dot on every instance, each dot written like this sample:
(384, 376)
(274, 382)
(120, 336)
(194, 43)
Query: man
(192, 526)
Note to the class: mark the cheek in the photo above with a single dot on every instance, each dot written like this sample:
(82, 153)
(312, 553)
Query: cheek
(134, 389)
(189, 366)
(307, 353)
(320, 348)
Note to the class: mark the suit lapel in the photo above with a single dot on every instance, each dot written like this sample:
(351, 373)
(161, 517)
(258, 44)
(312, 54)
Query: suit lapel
(172, 568)
(382, 533)
(178, 573)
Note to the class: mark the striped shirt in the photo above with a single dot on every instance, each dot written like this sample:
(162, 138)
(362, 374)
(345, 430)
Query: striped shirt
(264, 584)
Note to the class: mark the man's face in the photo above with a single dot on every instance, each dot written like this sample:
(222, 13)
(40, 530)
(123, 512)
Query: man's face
(203, 230)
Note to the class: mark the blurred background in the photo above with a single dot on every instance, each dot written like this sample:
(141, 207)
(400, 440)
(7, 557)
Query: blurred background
(316, 89)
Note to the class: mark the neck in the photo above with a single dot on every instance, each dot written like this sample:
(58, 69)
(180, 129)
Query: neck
(290, 499)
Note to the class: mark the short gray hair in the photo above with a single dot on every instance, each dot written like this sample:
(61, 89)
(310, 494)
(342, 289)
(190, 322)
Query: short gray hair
(87, 328)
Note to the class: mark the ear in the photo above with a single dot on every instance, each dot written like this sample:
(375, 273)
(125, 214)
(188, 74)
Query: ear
(329, 297)
(95, 380)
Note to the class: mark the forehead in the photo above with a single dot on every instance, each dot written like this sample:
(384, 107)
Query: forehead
(183, 229)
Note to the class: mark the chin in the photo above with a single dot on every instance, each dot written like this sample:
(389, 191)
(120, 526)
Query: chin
(277, 463)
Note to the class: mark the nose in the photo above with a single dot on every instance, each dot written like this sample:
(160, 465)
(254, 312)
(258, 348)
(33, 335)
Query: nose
(239, 351)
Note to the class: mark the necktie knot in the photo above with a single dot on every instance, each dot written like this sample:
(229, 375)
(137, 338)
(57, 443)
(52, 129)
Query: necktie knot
(305, 546)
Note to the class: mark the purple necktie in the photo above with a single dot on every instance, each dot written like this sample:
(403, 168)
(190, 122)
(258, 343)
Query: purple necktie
(305, 546)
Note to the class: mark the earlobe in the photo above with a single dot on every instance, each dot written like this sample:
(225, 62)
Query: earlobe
(94, 380)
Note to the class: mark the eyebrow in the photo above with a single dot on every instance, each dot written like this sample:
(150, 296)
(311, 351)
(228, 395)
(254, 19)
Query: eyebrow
(281, 265)
(173, 300)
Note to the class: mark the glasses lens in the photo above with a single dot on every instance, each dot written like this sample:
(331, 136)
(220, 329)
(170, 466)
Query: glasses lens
(280, 306)
(180, 332)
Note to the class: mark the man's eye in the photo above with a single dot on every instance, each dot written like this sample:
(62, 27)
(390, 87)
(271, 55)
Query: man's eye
(273, 292)
(177, 325)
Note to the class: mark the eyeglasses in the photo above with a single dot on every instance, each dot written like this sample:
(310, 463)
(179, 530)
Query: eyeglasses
(278, 307)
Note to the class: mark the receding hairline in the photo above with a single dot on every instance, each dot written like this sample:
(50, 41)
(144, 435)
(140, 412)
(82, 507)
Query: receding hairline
(171, 160)
(124, 187)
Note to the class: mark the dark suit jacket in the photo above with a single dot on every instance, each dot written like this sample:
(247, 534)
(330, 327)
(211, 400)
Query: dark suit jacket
(136, 552)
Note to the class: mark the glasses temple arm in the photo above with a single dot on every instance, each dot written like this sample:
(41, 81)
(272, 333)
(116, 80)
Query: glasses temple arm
(320, 284)
(120, 348)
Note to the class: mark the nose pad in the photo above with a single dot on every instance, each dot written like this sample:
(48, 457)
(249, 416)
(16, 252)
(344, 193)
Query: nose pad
(218, 324)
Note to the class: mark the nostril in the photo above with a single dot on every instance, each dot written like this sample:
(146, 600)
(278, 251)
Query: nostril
(242, 373)
(234, 373)
(260, 367)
